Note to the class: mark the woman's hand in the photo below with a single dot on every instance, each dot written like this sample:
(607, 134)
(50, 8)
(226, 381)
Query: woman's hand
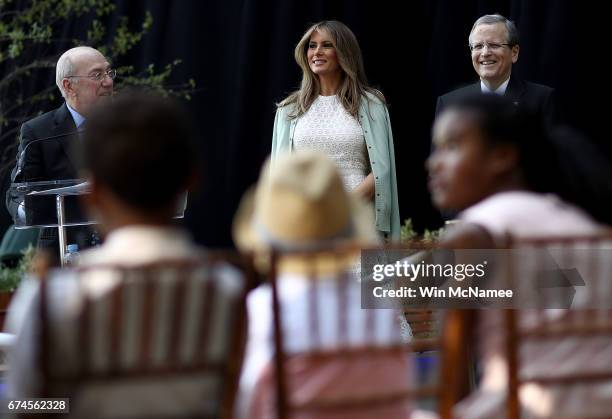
(365, 190)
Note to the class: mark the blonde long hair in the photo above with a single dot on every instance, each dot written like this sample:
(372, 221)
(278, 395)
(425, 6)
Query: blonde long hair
(354, 83)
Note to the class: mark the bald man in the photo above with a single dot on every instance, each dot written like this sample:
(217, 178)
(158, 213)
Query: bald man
(84, 78)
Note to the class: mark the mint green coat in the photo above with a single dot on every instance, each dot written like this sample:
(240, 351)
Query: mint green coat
(376, 125)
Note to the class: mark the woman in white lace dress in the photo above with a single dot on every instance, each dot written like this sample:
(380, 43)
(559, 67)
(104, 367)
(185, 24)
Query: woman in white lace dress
(336, 112)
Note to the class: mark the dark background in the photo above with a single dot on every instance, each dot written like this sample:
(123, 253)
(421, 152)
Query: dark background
(241, 55)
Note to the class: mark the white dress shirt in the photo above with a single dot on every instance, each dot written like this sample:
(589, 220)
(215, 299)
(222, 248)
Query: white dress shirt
(501, 90)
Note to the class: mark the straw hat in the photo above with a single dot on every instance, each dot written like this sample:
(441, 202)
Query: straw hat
(298, 204)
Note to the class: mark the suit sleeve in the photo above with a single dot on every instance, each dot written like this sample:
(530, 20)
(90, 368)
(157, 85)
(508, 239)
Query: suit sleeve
(551, 110)
(30, 168)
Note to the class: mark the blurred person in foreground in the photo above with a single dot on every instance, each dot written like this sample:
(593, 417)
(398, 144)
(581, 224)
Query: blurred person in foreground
(140, 157)
(506, 175)
(300, 204)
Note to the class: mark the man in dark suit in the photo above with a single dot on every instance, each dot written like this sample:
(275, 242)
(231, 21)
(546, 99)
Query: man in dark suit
(494, 46)
(84, 78)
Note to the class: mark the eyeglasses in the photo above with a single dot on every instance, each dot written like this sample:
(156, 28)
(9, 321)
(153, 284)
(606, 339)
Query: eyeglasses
(98, 75)
(493, 46)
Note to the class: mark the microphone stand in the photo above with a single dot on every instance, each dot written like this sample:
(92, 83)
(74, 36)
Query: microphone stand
(22, 153)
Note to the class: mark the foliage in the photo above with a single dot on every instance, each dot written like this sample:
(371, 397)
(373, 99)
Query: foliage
(31, 34)
(408, 234)
(11, 276)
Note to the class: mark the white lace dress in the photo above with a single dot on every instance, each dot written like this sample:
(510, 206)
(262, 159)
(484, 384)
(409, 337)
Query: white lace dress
(329, 128)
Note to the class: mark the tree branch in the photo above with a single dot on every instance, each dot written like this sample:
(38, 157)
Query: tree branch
(24, 69)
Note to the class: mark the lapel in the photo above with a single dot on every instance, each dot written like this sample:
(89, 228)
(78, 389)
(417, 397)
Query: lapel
(475, 88)
(63, 124)
(515, 90)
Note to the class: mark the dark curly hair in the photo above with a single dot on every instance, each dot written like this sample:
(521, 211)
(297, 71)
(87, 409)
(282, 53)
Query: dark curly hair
(557, 160)
(142, 147)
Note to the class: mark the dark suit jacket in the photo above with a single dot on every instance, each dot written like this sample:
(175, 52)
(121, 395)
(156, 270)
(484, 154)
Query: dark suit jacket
(52, 159)
(537, 97)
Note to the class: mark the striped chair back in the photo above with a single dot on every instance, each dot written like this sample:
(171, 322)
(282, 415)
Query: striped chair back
(170, 330)
(584, 330)
(357, 357)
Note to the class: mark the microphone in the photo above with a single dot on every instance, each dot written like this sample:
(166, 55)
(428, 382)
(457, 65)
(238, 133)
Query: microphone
(22, 153)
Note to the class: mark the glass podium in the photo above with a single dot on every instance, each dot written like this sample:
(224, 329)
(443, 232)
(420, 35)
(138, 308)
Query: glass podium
(55, 203)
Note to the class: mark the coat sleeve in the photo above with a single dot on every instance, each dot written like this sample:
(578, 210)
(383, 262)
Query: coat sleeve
(551, 111)
(280, 134)
(395, 216)
(31, 168)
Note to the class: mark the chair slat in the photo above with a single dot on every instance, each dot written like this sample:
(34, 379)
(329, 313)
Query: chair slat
(145, 281)
(583, 322)
(342, 347)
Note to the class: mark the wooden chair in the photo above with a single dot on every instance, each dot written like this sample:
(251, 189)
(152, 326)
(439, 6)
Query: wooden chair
(318, 275)
(589, 318)
(424, 323)
(171, 323)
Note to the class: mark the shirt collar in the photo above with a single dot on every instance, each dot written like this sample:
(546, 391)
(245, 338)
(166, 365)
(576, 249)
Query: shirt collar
(77, 117)
(501, 90)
